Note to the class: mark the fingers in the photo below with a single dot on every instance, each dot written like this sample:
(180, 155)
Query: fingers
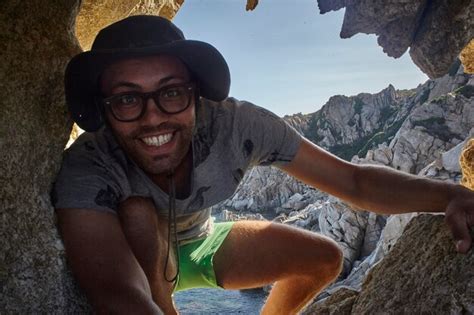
(458, 222)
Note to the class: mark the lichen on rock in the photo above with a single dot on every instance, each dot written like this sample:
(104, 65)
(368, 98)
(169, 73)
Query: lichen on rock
(467, 165)
(467, 57)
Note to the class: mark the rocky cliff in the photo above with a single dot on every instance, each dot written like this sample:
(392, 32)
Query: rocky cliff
(37, 41)
(422, 274)
(38, 38)
(435, 31)
(403, 129)
(424, 134)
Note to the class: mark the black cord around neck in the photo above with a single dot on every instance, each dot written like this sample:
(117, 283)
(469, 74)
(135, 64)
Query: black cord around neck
(172, 228)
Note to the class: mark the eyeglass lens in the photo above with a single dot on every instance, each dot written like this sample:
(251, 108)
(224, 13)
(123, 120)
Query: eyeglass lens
(170, 100)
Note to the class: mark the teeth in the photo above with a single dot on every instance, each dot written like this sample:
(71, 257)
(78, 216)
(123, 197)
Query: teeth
(158, 140)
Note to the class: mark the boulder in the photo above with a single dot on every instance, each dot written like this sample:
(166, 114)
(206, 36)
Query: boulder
(422, 274)
(266, 188)
(345, 226)
(447, 27)
(467, 57)
(37, 41)
(95, 15)
(467, 165)
(338, 303)
(437, 31)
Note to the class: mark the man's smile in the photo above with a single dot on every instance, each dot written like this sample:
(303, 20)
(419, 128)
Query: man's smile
(159, 140)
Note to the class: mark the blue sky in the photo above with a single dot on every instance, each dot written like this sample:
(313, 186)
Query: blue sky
(288, 57)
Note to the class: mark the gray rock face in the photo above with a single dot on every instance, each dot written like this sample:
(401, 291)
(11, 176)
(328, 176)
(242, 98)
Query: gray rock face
(37, 41)
(345, 120)
(36, 44)
(339, 303)
(269, 189)
(400, 129)
(395, 23)
(349, 126)
(422, 266)
(346, 226)
(433, 121)
(436, 31)
(447, 27)
(431, 128)
(422, 274)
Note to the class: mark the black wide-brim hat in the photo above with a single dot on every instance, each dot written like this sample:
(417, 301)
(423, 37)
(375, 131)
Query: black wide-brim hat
(137, 36)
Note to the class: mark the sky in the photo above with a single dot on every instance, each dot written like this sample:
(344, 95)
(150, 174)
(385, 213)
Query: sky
(288, 58)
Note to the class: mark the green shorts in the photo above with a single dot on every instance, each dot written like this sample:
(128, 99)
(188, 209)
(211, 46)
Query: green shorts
(196, 268)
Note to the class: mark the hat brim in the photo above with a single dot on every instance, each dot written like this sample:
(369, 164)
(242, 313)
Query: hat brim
(82, 75)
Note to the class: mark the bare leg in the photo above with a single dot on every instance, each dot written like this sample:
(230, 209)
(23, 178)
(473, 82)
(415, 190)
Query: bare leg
(146, 234)
(257, 253)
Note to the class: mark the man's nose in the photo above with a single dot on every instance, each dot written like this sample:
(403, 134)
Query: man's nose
(153, 114)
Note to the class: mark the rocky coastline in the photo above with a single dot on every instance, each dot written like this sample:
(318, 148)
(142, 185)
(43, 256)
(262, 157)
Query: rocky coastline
(419, 131)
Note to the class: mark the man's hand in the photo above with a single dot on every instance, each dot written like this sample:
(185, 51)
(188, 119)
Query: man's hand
(460, 218)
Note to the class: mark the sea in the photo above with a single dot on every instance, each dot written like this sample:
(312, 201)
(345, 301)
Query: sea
(219, 301)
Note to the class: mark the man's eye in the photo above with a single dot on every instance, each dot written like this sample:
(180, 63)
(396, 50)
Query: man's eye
(174, 92)
(128, 99)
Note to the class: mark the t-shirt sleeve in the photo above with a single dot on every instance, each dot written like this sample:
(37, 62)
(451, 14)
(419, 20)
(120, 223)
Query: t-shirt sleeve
(86, 181)
(264, 138)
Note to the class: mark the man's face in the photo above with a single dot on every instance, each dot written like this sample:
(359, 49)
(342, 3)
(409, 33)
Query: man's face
(157, 142)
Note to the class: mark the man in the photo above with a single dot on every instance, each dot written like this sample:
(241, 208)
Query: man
(164, 144)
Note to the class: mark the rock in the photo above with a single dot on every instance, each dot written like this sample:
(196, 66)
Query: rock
(436, 31)
(431, 129)
(345, 226)
(375, 225)
(251, 5)
(308, 218)
(338, 303)
(395, 23)
(450, 159)
(421, 274)
(269, 189)
(387, 239)
(467, 57)
(446, 28)
(330, 5)
(467, 165)
(95, 15)
(37, 42)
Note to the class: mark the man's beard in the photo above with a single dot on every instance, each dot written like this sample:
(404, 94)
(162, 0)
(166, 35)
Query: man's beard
(159, 164)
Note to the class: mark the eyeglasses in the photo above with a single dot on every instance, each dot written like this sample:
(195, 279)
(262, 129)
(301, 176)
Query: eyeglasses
(130, 106)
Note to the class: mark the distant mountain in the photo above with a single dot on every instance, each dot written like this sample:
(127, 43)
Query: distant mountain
(420, 131)
(348, 126)
(403, 129)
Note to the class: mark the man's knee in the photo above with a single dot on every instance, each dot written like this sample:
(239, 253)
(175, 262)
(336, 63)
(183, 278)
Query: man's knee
(333, 258)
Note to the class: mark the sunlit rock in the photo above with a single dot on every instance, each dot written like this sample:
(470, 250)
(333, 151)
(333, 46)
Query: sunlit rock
(436, 31)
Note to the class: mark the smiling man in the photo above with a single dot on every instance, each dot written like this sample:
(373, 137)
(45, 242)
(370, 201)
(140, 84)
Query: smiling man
(164, 144)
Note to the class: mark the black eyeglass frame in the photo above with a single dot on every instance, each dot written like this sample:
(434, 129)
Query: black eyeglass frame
(190, 86)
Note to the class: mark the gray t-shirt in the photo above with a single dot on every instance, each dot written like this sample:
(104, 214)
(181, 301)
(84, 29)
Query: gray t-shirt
(229, 138)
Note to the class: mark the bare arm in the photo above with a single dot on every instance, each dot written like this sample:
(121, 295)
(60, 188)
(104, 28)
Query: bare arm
(103, 263)
(383, 190)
